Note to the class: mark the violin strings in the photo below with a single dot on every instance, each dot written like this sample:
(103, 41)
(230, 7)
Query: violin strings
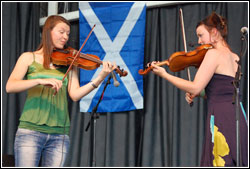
(86, 56)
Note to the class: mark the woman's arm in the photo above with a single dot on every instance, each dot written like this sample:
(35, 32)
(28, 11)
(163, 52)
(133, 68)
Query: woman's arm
(76, 92)
(16, 83)
(202, 77)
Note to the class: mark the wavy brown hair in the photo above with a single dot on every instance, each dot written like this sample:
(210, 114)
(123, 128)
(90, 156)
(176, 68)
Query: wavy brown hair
(46, 42)
(215, 21)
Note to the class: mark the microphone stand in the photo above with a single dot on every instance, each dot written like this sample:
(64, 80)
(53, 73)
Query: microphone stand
(94, 117)
(236, 84)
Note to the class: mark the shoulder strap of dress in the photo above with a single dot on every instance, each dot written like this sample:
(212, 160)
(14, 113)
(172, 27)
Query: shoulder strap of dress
(34, 57)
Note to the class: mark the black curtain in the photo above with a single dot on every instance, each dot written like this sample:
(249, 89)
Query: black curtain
(20, 33)
(167, 132)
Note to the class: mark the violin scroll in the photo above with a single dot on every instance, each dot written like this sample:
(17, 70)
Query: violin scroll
(121, 72)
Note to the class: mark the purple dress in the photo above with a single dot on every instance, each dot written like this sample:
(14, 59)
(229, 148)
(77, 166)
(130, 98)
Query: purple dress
(219, 147)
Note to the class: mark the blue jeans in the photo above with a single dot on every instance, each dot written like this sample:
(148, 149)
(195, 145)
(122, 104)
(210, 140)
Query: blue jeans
(31, 145)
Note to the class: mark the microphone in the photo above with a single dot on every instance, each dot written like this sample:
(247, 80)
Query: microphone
(116, 83)
(244, 30)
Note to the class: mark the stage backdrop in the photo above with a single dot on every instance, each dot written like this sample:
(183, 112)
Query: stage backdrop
(118, 36)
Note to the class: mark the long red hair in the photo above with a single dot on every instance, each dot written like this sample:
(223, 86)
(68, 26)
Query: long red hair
(46, 42)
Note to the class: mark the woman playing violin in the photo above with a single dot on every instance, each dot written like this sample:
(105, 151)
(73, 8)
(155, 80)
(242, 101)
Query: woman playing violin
(44, 124)
(215, 75)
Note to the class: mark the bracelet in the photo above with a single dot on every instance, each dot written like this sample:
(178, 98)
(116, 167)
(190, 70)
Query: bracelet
(93, 85)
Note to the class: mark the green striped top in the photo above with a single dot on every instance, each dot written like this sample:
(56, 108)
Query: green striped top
(42, 111)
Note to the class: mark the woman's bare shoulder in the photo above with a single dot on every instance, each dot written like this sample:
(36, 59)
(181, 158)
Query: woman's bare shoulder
(26, 58)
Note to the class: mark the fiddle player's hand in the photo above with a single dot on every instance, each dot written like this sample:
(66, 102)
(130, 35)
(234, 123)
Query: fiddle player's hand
(157, 69)
(53, 83)
(189, 98)
(108, 67)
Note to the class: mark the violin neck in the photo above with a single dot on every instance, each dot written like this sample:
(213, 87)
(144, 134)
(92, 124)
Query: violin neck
(89, 57)
(166, 62)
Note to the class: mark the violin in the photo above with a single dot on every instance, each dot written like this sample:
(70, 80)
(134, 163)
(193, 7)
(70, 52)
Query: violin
(180, 60)
(64, 57)
(69, 56)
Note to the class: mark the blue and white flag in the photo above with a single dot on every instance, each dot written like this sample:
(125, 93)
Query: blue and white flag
(117, 37)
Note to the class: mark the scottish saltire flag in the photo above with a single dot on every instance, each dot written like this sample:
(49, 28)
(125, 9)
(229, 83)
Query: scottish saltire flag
(117, 37)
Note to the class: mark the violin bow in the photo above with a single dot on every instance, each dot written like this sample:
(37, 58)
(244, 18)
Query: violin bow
(185, 44)
(184, 40)
(78, 53)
